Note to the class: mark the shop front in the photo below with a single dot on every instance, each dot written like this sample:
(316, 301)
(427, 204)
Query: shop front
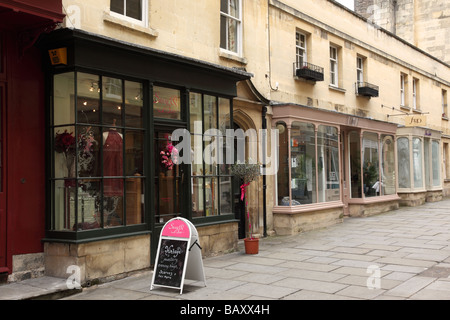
(331, 165)
(115, 169)
(419, 169)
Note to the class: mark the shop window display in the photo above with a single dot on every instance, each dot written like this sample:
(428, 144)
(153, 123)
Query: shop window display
(211, 191)
(97, 168)
(313, 179)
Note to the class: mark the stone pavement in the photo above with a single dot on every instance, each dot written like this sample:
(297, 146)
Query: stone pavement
(403, 254)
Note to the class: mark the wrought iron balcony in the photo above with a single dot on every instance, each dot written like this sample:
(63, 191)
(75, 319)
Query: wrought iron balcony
(308, 71)
(366, 89)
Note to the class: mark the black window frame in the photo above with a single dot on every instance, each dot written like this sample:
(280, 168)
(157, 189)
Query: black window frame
(77, 236)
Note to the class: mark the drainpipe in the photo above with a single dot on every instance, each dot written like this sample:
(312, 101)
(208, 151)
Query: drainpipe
(264, 140)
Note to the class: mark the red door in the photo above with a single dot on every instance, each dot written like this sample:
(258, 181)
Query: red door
(2, 181)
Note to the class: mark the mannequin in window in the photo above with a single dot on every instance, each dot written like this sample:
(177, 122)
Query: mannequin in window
(112, 166)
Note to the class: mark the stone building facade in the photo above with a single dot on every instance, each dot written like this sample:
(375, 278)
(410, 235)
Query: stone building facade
(361, 117)
(424, 23)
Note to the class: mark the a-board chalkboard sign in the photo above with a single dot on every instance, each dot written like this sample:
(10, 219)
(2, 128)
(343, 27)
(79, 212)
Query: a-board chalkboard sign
(171, 262)
(178, 256)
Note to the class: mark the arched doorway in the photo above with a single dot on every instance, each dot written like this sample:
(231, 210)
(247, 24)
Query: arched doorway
(239, 205)
(241, 120)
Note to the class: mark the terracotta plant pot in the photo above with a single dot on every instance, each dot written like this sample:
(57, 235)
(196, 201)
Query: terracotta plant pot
(251, 245)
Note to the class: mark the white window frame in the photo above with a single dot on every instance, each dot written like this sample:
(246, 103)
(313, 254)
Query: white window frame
(359, 69)
(143, 22)
(414, 93)
(238, 26)
(334, 76)
(301, 55)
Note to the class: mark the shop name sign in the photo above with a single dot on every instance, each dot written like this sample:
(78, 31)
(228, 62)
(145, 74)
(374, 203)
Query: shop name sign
(415, 121)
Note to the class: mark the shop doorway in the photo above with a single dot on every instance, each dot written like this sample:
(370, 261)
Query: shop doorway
(2, 180)
(239, 205)
(170, 186)
(351, 165)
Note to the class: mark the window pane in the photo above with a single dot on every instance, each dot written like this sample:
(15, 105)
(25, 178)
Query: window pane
(134, 9)
(134, 200)
(435, 163)
(112, 101)
(134, 100)
(427, 164)
(328, 153)
(417, 163)
(224, 6)
(88, 144)
(210, 112)
(370, 164)
(88, 205)
(234, 8)
(387, 165)
(303, 163)
(355, 164)
(117, 6)
(283, 169)
(113, 162)
(166, 103)
(197, 196)
(404, 177)
(211, 197)
(225, 196)
(224, 125)
(64, 195)
(88, 98)
(224, 115)
(134, 153)
(232, 27)
(64, 146)
(223, 32)
(195, 101)
(197, 155)
(63, 98)
(211, 156)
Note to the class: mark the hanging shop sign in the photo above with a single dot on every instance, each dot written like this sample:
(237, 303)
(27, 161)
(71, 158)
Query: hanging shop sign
(58, 56)
(415, 121)
(179, 256)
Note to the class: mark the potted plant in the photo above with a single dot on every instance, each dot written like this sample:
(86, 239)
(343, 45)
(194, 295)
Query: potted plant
(247, 172)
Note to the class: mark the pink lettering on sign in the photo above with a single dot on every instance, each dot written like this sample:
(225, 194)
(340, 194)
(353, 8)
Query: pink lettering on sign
(176, 228)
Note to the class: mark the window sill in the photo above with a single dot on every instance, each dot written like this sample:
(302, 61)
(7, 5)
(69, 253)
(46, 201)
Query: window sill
(445, 118)
(418, 111)
(231, 56)
(307, 207)
(335, 88)
(405, 108)
(108, 18)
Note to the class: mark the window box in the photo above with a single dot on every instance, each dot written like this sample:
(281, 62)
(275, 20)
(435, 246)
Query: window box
(308, 71)
(366, 89)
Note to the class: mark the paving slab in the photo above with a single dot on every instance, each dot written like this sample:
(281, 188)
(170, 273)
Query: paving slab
(410, 246)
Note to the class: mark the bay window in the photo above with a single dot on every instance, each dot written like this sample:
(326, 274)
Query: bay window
(419, 163)
(97, 159)
(311, 155)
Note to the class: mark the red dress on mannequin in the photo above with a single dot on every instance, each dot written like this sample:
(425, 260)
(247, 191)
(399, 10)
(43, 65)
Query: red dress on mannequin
(112, 164)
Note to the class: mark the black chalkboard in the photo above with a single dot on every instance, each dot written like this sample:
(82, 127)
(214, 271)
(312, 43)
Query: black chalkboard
(170, 263)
